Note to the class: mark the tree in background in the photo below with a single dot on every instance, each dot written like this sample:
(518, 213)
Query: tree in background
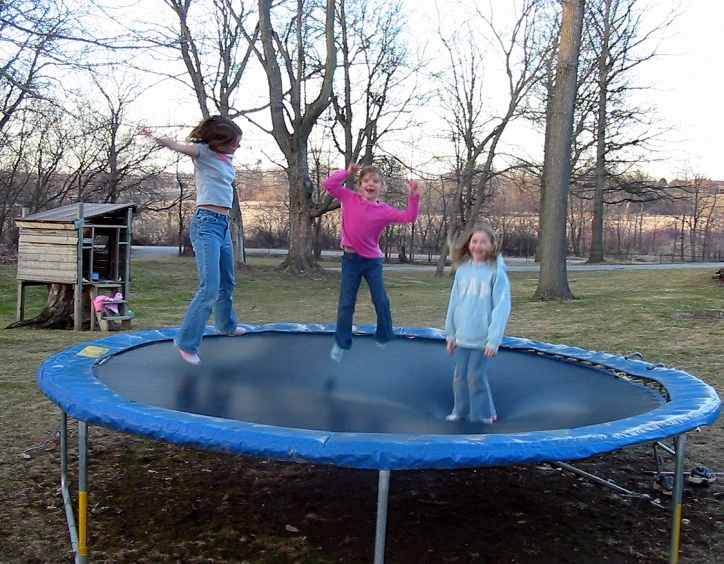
(376, 89)
(299, 59)
(210, 38)
(553, 279)
(619, 44)
(475, 130)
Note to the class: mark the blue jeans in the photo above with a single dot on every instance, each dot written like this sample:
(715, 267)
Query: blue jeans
(354, 268)
(211, 237)
(470, 385)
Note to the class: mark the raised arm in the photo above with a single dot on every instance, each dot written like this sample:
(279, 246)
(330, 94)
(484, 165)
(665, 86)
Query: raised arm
(190, 150)
(413, 207)
(335, 183)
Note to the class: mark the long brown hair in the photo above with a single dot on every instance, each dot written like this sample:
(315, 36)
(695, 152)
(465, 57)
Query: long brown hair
(216, 132)
(462, 249)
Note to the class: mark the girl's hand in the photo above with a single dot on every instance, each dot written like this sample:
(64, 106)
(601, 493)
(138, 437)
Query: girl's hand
(450, 347)
(490, 352)
(414, 188)
(159, 140)
(352, 170)
(183, 148)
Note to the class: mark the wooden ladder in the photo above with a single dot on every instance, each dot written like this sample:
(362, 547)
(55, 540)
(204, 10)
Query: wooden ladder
(103, 320)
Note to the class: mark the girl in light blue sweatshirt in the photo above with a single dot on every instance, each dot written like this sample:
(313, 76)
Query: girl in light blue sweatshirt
(476, 318)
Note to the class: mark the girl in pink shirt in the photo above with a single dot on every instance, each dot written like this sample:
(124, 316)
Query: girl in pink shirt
(364, 218)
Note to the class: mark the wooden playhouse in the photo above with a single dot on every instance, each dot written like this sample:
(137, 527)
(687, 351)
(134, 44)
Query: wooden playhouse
(84, 245)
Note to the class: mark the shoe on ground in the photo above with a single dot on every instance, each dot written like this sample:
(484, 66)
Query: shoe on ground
(190, 358)
(701, 476)
(453, 417)
(664, 484)
(336, 352)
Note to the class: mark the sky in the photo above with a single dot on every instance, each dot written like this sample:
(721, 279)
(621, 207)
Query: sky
(688, 91)
(684, 91)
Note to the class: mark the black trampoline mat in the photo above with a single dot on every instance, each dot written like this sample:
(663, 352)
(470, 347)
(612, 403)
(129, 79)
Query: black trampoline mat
(289, 380)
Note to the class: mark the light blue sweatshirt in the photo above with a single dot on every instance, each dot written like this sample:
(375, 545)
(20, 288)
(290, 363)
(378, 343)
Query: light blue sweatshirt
(479, 305)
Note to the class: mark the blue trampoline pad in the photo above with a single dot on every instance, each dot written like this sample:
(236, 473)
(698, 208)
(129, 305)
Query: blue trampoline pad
(275, 392)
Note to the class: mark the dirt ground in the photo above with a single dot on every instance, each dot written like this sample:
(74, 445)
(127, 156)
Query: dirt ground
(152, 502)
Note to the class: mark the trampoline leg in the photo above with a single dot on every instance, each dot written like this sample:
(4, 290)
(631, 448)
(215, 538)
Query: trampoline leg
(657, 458)
(676, 499)
(82, 492)
(64, 486)
(383, 494)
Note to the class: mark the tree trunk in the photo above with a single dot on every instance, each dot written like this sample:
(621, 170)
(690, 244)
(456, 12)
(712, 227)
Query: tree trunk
(301, 234)
(596, 254)
(303, 116)
(550, 84)
(58, 312)
(553, 279)
(237, 232)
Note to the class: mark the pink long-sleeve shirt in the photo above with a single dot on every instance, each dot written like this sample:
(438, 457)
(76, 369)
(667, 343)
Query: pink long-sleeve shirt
(363, 222)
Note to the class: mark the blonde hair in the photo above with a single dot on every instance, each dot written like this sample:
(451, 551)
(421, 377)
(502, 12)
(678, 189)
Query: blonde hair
(369, 169)
(462, 249)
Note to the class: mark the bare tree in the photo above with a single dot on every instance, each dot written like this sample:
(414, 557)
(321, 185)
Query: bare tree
(122, 160)
(294, 71)
(211, 40)
(29, 33)
(476, 133)
(695, 206)
(620, 44)
(553, 280)
(375, 90)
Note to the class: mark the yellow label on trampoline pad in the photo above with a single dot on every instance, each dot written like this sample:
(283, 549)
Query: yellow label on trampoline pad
(92, 351)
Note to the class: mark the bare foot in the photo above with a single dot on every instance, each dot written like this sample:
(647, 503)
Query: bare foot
(239, 331)
(190, 358)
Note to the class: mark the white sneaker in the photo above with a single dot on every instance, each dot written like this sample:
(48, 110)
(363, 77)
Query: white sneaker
(486, 420)
(453, 417)
(336, 352)
(190, 357)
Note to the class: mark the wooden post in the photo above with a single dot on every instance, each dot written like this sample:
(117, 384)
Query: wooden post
(127, 266)
(21, 300)
(78, 297)
(21, 284)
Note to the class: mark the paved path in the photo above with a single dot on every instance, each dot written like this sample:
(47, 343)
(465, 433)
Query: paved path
(515, 264)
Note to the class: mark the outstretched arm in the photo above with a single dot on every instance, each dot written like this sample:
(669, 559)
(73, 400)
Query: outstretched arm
(189, 150)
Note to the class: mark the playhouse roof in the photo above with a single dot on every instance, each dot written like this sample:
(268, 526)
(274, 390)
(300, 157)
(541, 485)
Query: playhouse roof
(69, 213)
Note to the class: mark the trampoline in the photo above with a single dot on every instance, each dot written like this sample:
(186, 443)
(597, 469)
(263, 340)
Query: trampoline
(275, 393)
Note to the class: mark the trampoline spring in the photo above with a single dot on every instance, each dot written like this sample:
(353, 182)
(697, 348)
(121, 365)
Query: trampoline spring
(634, 355)
(657, 365)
